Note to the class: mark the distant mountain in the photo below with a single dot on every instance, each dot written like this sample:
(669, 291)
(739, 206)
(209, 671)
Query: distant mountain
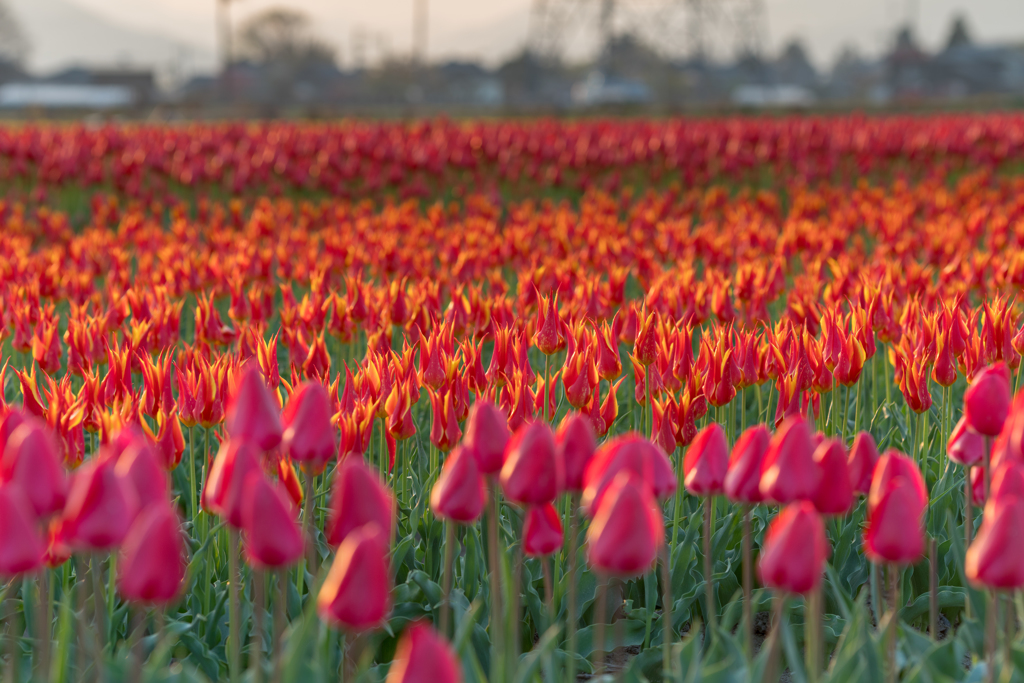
(63, 34)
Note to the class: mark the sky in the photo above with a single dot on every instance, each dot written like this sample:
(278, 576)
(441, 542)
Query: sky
(494, 29)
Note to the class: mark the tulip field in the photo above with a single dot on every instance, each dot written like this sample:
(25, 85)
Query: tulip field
(725, 399)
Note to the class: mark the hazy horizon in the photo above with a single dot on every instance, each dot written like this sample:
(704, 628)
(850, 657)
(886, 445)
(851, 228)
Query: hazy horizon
(462, 29)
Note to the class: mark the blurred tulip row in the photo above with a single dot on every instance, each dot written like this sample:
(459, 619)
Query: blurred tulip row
(657, 436)
(428, 159)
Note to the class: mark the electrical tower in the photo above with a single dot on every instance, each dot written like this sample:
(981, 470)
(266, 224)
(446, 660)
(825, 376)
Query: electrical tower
(690, 29)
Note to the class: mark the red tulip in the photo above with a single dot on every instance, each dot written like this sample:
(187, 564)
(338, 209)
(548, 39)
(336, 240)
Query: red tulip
(996, 558)
(891, 465)
(1007, 480)
(359, 498)
(706, 462)
(835, 491)
(965, 446)
(894, 530)
(225, 483)
(645, 348)
(152, 564)
(743, 479)
(308, 435)
(795, 550)
(355, 595)
(10, 422)
(252, 412)
(627, 530)
(531, 475)
(139, 469)
(100, 508)
(575, 445)
(987, 400)
(788, 472)
(978, 485)
(460, 492)
(423, 656)
(861, 462)
(542, 531)
(21, 549)
(30, 460)
(486, 436)
(629, 452)
(272, 534)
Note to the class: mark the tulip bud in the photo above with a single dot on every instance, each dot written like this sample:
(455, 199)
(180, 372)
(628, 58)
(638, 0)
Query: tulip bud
(635, 454)
(308, 435)
(627, 530)
(459, 493)
(272, 535)
(995, 558)
(965, 446)
(835, 491)
(423, 656)
(531, 475)
(486, 436)
(743, 478)
(225, 483)
(795, 550)
(788, 472)
(1007, 480)
(252, 413)
(891, 465)
(100, 508)
(542, 531)
(21, 549)
(894, 530)
(645, 348)
(987, 400)
(575, 446)
(706, 462)
(861, 462)
(359, 498)
(30, 460)
(152, 564)
(355, 595)
(138, 468)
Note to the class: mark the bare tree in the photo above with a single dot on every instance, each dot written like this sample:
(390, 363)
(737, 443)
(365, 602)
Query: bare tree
(282, 37)
(13, 44)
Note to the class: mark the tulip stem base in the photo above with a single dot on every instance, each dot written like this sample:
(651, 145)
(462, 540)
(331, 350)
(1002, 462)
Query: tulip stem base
(748, 581)
(774, 637)
(280, 619)
(933, 589)
(43, 625)
(600, 606)
(446, 601)
(709, 586)
(259, 605)
(570, 614)
(991, 614)
(968, 528)
(666, 615)
(234, 614)
(496, 612)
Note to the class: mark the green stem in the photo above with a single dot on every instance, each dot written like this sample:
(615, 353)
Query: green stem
(446, 603)
(570, 615)
(709, 589)
(234, 614)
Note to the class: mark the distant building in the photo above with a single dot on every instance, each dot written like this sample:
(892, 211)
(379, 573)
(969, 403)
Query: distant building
(79, 88)
(41, 95)
(598, 89)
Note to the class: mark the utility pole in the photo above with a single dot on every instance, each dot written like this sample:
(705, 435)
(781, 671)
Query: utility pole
(224, 33)
(419, 31)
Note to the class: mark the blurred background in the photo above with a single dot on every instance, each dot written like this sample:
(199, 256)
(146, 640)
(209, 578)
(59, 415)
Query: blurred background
(323, 58)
